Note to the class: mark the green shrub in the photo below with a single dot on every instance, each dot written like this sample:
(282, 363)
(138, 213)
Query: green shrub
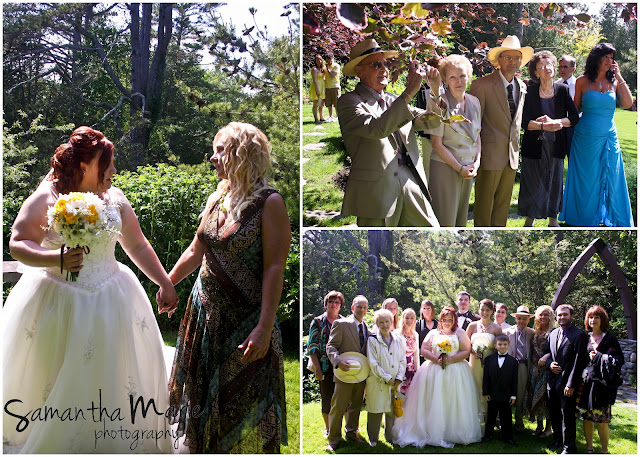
(167, 201)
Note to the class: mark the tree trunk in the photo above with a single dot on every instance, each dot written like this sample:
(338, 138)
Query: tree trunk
(147, 77)
(519, 25)
(380, 245)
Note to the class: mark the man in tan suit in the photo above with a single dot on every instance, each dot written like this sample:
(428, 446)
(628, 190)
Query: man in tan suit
(520, 347)
(347, 335)
(501, 97)
(382, 190)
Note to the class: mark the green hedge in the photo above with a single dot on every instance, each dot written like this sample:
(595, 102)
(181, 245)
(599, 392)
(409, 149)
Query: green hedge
(168, 201)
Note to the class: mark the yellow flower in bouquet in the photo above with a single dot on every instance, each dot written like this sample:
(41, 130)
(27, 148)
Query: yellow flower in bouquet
(444, 346)
(78, 217)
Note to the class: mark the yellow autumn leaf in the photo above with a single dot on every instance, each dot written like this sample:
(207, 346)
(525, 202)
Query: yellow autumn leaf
(441, 27)
(414, 9)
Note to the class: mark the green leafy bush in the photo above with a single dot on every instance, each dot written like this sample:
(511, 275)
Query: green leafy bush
(168, 201)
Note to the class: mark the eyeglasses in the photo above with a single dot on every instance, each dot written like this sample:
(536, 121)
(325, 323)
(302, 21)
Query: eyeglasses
(377, 65)
(547, 65)
(512, 59)
(564, 66)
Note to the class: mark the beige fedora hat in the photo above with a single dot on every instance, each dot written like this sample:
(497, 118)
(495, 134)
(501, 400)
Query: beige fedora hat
(358, 368)
(362, 50)
(523, 310)
(510, 43)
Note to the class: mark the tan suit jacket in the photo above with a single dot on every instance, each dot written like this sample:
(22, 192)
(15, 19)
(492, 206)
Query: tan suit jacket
(373, 187)
(344, 337)
(528, 340)
(500, 134)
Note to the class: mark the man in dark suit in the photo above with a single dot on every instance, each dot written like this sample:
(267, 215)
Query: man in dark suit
(568, 348)
(499, 386)
(465, 316)
(347, 335)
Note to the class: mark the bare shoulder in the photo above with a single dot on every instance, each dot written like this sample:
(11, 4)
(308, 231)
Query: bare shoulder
(581, 81)
(274, 207)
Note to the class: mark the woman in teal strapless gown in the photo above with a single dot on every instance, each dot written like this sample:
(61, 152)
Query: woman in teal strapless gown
(596, 189)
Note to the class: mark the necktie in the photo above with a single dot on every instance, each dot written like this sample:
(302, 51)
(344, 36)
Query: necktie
(560, 338)
(566, 81)
(520, 347)
(512, 103)
(361, 332)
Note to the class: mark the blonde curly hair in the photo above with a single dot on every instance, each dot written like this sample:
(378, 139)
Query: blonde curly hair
(246, 161)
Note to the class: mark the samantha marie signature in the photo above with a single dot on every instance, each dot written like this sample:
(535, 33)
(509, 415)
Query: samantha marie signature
(98, 412)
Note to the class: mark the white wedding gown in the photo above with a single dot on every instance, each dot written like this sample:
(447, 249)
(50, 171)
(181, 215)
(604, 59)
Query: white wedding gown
(441, 408)
(74, 346)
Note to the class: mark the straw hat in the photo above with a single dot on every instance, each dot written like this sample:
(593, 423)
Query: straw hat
(523, 310)
(358, 368)
(510, 43)
(362, 50)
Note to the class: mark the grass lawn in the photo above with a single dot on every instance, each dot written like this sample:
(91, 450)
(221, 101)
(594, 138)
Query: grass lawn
(320, 193)
(623, 438)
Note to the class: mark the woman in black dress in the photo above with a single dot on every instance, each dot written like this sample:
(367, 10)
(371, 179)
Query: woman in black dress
(602, 379)
(548, 109)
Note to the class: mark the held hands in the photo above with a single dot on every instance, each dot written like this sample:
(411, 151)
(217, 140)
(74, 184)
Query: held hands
(256, 345)
(542, 362)
(468, 172)
(568, 391)
(72, 259)
(167, 300)
(550, 125)
(319, 374)
(616, 71)
(512, 401)
(443, 360)
(555, 368)
(344, 366)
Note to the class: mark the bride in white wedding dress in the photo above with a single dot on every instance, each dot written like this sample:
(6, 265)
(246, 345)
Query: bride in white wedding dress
(75, 353)
(442, 402)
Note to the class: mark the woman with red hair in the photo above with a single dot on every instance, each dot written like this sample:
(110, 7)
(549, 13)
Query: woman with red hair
(442, 402)
(93, 341)
(602, 379)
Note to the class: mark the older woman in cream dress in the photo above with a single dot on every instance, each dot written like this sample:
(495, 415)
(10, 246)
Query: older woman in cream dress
(456, 147)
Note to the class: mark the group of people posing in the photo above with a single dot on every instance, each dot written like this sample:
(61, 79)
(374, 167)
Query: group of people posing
(461, 371)
(325, 87)
(390, 184)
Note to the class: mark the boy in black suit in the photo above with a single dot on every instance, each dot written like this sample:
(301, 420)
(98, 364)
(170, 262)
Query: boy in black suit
(499, 387)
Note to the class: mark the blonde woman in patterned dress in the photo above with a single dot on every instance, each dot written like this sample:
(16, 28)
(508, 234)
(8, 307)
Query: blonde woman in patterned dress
(229, 361)
(407, 332)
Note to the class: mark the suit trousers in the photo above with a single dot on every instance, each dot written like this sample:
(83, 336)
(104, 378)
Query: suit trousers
(562, 411)
(373, 426)
(412, 208)
(504, 409)
(523, 381)
(450, 194)
(346, 397)
(493, 196)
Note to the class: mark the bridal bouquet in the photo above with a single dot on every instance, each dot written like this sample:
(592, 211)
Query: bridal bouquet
(78, 217)
(481, 343)
(442, 346)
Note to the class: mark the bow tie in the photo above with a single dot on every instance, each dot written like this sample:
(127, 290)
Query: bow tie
(502, 355)
(463, 314)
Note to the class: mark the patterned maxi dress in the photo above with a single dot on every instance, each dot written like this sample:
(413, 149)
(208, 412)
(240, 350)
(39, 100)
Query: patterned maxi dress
(227, 406)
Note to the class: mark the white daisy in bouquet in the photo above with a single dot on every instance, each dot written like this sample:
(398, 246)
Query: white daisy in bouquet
(482, 342)
(78, 217)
